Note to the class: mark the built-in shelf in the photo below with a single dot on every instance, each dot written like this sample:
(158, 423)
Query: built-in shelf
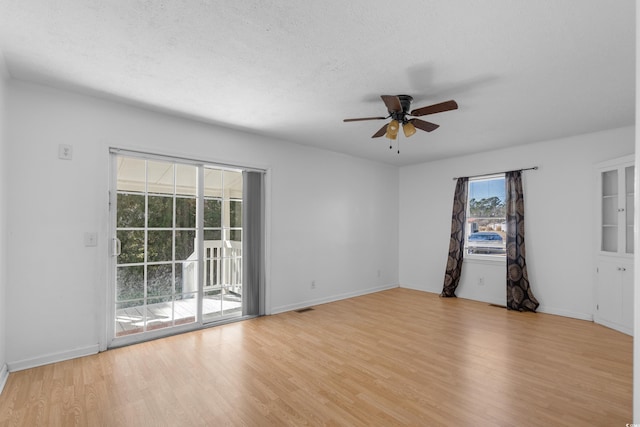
(614, 271)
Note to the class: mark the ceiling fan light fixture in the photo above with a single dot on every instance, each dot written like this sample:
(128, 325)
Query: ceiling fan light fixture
(408, 129)
(399, 110)
(392, 129)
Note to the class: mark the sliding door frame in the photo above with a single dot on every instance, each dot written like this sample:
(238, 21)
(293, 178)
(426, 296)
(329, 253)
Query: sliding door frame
(111, 340)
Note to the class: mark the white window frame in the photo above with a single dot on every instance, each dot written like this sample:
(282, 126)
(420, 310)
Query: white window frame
(498, 259)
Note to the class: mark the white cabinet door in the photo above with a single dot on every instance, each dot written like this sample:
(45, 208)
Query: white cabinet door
(627, 298)
(608, 294)
(614, 295)
(615, 210)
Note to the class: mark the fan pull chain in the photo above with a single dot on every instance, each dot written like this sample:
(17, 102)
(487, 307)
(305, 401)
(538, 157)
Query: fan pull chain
(391, 145)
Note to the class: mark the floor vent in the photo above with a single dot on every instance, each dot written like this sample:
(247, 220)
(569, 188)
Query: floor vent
(304, 310)
(497, 305)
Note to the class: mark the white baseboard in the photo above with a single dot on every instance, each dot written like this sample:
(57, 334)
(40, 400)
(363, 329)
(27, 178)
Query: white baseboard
(332, 298)
(565, 313)
(420, 288)
(500, 302)
(615, 326)
(4, 375)
(541, 309)
(52, 358)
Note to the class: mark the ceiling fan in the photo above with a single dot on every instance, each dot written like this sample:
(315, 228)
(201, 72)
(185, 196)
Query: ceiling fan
(398, 107)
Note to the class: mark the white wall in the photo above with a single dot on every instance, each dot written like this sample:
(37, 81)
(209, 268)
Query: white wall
(3, 227)
(560, 221)
(333, 218)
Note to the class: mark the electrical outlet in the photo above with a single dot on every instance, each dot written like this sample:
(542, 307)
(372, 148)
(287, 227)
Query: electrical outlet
(313, 284)
(379, 273)
(481, 281)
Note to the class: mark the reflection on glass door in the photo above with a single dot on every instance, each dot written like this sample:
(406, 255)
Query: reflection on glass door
(179, 244)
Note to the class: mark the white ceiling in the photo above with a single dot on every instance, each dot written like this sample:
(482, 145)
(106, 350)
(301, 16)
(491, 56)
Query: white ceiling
(521, 70)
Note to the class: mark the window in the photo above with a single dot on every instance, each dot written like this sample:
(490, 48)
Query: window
(486, 216)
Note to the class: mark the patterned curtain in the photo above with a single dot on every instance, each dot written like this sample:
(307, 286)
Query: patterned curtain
(519, 295)
(456, 243)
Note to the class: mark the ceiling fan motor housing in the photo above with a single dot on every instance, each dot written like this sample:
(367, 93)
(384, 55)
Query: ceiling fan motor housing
(405, 102)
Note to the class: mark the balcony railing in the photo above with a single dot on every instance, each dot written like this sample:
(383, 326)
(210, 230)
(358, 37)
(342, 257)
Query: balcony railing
(222, 294)
(223, 268)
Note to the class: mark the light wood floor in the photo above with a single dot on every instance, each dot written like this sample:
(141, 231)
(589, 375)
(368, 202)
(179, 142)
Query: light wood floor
(398, 357)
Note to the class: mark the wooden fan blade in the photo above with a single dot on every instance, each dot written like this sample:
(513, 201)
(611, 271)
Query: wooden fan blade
(392, 102)
(364, 118)
(381, 132)
(435, 108)
(426, 126)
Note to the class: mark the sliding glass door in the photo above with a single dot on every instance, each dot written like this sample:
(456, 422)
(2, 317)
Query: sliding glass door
(222, 243)
(177, 244)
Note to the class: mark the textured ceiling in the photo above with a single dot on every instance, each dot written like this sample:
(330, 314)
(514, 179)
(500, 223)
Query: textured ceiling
(521, 71)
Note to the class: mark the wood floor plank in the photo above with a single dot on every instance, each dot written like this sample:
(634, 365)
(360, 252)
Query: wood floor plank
(398, 357)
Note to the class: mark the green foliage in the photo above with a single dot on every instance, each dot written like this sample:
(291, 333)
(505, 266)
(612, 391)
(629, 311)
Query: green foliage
(130, 210)
(132, 246)
(235, 213)
(185, 243)
(185, 212)
(166, 247)
(491, 207)
(130, 283)
(160, 212)
(159, 245)
(212, 213)
(159, 280)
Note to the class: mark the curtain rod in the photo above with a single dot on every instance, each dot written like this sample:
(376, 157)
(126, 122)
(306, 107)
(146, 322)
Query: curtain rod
(534, 168)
